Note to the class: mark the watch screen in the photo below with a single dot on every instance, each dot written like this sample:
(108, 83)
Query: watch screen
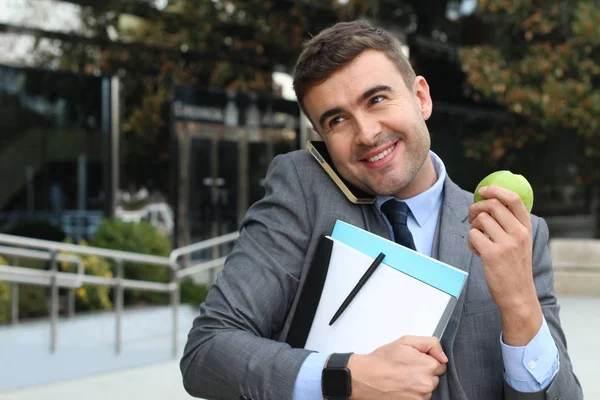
(336, 382)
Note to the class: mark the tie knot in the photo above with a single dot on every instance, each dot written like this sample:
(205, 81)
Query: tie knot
(396, 211)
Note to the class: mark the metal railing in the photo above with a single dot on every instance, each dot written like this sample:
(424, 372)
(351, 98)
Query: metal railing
(16, 275)
(182, 256)
(55, 279)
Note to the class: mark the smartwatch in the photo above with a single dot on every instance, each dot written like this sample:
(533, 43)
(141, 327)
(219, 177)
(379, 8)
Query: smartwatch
(336, 380)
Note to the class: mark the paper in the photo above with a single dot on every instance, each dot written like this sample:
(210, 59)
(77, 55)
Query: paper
(389, 306)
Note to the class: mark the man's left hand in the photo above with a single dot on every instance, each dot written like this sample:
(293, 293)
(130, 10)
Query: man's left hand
(501, 235)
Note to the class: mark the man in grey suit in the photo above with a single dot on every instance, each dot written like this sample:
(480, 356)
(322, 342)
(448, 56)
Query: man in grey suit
(504, 339)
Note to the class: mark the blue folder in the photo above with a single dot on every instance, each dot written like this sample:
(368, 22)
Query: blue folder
(425, 269)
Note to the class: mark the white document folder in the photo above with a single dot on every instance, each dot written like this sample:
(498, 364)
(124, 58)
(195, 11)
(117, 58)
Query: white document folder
(408, 294)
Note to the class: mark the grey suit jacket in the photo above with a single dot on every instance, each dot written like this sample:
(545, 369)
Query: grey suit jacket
(236, 345)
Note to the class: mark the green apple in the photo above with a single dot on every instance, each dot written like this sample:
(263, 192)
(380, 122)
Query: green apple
(510, 181)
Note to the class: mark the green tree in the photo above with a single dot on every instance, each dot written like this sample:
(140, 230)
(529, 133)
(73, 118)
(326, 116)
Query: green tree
(233, 44)
(541, 62)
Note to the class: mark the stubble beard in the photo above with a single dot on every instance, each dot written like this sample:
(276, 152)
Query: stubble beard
(394, 183)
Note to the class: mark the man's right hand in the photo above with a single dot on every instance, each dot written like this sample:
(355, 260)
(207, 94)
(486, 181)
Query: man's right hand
(408, 368)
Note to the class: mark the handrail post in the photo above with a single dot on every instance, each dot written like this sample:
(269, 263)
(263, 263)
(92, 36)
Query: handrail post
(53, 301)
(175, 299)
(118, 305)
(71, 300)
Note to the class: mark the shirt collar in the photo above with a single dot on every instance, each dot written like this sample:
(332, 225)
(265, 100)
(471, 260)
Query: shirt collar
(423, 205)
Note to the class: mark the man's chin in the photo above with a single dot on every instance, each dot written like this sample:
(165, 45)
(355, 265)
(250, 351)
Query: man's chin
(392, 186)
(384, 190)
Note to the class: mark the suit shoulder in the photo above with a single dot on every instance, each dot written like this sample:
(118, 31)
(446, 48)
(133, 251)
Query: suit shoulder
(300, 159)
(300, 169)
(300, 162)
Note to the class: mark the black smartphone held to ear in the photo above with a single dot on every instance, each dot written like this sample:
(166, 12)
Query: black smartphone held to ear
(319, 152)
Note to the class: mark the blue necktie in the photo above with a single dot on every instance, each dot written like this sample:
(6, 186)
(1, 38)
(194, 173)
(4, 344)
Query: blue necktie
(397, 213)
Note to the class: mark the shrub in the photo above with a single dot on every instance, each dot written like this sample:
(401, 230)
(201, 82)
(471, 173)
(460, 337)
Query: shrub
(92, 297)
(32, 298)
(33, 301)
(4, 297)
(138, 237)
(192, 293)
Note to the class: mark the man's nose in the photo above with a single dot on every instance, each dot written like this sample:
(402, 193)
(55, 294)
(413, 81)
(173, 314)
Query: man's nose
(366, 129)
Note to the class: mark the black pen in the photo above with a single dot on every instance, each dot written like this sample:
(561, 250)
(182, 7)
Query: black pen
(359, 285)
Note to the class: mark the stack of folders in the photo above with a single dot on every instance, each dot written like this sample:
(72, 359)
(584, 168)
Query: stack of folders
(408, 294)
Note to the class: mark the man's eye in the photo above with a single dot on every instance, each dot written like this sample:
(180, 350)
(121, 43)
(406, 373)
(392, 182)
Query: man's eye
(334, 121)
(377, 99)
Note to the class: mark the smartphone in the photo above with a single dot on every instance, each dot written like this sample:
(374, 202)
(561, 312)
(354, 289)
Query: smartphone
(319, 152)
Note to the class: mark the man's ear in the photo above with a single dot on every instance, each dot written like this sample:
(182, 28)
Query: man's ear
(421, 91)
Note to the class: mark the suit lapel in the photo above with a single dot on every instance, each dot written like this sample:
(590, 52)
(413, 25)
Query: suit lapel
(451, 237)
(453, 229)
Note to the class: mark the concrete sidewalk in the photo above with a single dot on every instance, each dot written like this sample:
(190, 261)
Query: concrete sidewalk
(580, 318)
(86, 346)
(156, 382)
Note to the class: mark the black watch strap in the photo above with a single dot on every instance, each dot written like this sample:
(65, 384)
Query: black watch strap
(338, 360)
(336, 381)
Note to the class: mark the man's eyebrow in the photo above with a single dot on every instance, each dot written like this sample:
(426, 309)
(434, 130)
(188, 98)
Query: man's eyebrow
(372, 91)
(363, 97)
(328, 114)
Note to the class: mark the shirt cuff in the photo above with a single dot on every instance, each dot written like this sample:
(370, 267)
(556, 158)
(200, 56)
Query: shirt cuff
(308, 382)
(531, 368)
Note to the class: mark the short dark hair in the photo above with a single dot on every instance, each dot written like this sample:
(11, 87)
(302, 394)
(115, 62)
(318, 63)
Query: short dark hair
(338, 45)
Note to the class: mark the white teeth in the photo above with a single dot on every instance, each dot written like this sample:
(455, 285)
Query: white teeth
(381, 155)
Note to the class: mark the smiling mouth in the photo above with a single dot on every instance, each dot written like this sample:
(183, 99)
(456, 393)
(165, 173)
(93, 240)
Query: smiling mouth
(381, 155)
